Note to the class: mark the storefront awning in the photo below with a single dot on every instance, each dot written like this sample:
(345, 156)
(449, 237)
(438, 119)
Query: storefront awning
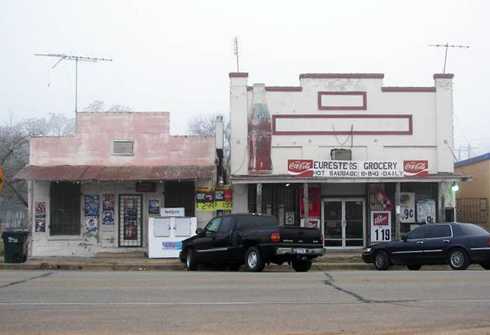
(114, 173)
(278, 179)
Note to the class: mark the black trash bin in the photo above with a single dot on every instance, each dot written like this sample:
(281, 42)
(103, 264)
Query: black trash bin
(15, 244)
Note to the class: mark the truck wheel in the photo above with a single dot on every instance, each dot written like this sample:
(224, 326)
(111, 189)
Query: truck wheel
(458, 259)
(301, 265)
(253, 260)
(381, 260)
(190, 260)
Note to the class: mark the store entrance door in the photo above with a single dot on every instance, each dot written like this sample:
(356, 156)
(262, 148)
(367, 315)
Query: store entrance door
(130, 220)
(343, 222)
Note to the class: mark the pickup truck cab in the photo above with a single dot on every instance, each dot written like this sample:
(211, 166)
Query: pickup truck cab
(253, 240)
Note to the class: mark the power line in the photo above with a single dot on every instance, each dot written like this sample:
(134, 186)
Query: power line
(447, 46)
(77, 59)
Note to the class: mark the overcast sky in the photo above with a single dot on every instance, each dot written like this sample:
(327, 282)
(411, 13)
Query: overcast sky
(175, 55)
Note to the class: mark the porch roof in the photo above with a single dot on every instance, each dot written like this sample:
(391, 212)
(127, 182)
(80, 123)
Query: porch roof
(271, 179)
(114, 173)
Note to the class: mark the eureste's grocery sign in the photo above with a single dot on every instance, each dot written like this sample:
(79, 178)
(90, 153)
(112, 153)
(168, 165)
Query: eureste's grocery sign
(357, 169)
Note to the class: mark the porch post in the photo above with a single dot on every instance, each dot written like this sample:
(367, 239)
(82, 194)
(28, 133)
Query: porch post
(397, 212)
(306, 203)
(258, 199)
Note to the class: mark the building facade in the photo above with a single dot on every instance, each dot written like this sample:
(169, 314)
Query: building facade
(94, 191)
(473, 196)
(361, 161)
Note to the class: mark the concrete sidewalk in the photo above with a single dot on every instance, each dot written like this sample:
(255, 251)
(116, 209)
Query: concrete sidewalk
(138, 262)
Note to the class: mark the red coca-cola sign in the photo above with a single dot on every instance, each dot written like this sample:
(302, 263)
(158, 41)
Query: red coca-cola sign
(300, 167)
(416, 168)
(381, 219)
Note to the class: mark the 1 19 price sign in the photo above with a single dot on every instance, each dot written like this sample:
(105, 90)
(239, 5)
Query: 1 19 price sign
(380, 226)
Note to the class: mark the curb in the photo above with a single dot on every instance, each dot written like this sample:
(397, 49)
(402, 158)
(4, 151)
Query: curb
(162, 267)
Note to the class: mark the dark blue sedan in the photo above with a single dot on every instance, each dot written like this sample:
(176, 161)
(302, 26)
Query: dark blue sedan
(456, 244)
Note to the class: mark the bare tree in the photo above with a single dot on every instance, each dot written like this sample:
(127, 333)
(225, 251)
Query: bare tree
(14, 155)
(99, 106)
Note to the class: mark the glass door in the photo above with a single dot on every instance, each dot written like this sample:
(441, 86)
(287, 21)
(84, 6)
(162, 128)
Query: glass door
(130, 220)
(354, 223)
(343, 222)
(332, 223)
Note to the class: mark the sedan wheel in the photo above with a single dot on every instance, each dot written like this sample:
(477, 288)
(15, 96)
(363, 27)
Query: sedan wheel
(458, 259)
(381, 260)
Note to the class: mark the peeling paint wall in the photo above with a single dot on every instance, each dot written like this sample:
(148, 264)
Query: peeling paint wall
(153, 143)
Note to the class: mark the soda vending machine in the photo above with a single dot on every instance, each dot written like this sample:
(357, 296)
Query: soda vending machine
(167, 231)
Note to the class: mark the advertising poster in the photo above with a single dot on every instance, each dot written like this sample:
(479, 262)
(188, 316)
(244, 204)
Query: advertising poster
(426, 211)
(108, 209)
(153, 207)
(378, 198)
(130, 221)
(314, 210)
(259, 135)
(40, 217)
(91, 226)
(223, 199)
(407, 207)
(380, 226)
(91, 204)
(205, 200)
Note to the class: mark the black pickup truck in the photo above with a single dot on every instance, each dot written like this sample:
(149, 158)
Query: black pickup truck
(253, 240)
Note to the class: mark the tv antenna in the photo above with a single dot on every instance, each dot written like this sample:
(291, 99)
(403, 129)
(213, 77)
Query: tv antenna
(236, 51)
(447, 46)
(77, 59)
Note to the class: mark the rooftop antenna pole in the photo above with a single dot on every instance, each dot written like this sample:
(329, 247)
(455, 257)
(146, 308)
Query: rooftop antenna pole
(236, 51)
(77, 59)
(447, 46)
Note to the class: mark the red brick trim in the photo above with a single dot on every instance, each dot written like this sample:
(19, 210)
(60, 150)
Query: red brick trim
(283, 88)
(238, 74)
(407, 89)
(361, 93)
(408, 117)
(342, 75)
(443, 75)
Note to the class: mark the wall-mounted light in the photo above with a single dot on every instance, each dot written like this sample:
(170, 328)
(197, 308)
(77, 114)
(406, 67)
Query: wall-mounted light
(455, 187)
(287, 185)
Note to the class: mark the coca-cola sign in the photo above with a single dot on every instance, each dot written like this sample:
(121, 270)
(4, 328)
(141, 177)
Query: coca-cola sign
(416, 168)
(300, 167)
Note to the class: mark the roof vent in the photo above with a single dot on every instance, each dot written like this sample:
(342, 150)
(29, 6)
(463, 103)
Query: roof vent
(341, 154)
(123, 148)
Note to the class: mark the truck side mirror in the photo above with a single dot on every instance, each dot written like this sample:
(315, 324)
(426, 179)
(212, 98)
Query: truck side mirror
(199, 231)
(404, 238)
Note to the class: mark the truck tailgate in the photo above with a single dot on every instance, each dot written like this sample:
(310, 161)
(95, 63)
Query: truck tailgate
(300, 235)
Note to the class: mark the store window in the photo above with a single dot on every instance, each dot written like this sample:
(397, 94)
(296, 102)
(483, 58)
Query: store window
(65, 208)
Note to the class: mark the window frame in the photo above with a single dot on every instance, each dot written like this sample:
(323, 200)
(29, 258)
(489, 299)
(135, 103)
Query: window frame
(64, 235)
(123, 141)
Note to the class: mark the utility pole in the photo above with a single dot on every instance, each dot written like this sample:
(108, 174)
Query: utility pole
(236, 51)
(76, 59)
(447, 46)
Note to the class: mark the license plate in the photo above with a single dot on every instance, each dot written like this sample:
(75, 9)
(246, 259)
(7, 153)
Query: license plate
(300, 250)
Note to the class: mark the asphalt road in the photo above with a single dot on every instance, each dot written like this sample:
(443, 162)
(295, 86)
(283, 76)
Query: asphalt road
(392, 302)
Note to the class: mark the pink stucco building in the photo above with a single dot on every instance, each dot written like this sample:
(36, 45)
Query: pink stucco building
(94, 191)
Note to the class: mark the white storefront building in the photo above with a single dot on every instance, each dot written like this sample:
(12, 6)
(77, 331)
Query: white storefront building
(361, 161)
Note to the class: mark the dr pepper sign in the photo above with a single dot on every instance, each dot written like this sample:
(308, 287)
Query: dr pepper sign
(357, 169)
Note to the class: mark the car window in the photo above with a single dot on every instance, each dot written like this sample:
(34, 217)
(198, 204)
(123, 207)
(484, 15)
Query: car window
(226, 226)
(213, 225)
(468, 229)
(248, 222)
(437, 231)
(417, 233)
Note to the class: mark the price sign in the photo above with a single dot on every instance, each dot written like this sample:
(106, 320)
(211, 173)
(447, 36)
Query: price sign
(380, 226)
(407, 207)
